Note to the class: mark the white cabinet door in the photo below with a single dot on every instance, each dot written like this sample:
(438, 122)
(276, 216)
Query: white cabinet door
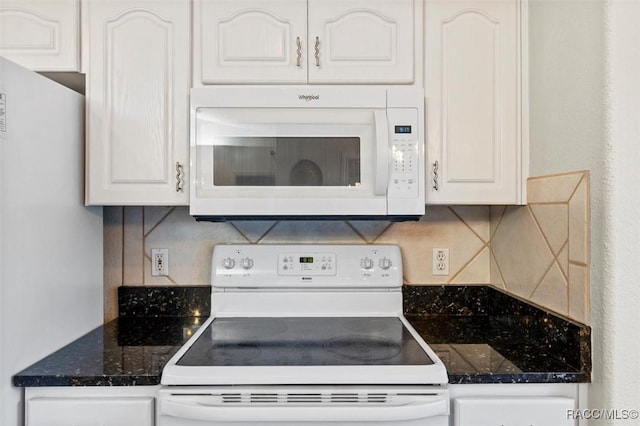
(359, 41)
(90, 412)
(137, 101)
(248, 41)
(473, 88)
(513, 411)
(42, 35)
(300, 41)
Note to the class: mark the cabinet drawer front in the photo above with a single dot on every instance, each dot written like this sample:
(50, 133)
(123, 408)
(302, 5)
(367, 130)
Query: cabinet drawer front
(90, 411)
(513, 411)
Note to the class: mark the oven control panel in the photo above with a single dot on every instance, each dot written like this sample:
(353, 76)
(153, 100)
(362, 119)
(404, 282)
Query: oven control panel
(307, 264)
(321, 266)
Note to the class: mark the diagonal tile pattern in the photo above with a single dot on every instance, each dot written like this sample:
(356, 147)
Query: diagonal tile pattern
(539, 252)
(553, 220)
(440, 227)
(190, 244)
(464, 230)
(521, 251)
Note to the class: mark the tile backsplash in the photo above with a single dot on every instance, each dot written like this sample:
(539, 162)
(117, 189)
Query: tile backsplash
(541, 252)
(549, 239)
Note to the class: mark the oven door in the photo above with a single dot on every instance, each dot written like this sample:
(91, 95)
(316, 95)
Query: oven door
(313, 407)
(289, 161)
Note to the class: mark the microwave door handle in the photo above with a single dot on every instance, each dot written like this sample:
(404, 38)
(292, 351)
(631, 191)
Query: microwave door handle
(381, 152)
(199, 410)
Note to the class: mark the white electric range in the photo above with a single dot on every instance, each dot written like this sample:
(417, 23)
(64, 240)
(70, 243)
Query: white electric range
(305, 334)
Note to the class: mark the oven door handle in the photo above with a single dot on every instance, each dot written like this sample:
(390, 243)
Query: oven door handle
(381, 151)
(197, 409)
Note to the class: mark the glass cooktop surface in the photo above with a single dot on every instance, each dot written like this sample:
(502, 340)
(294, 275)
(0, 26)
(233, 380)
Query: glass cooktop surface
(305, 342)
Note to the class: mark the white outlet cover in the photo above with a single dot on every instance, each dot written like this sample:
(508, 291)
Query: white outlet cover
(156, 269)
(440, 261)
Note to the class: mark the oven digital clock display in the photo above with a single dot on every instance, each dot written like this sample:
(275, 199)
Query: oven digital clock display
(306, 259)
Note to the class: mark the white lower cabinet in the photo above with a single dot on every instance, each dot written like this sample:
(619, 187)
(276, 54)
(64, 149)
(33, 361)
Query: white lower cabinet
(525, 410)
(471, 405)
(90, 406)
(517, 404)
(90, 411)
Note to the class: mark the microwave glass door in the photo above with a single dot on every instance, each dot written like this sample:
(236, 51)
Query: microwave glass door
(286, 161)
(240, 151)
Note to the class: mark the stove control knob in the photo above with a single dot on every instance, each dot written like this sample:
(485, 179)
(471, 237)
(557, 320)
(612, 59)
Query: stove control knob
(366, 263)
(385, 263)
(246, 263)
(228, 263)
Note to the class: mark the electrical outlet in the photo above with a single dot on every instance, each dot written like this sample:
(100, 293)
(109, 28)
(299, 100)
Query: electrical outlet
(440, 261)
(159, 262)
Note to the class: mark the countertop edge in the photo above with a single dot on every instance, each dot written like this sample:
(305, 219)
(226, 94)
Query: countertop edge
(82, 381)
(519, 378)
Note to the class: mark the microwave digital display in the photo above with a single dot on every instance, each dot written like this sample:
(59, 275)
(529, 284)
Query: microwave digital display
(306, 259)
(403, 129)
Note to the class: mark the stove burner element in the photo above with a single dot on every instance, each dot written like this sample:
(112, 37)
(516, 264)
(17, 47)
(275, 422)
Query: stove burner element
(363, 348)
(237, 354)
(233, 330)
(372, 325)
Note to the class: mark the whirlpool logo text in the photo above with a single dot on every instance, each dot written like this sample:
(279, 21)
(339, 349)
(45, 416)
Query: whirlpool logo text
(309, 98)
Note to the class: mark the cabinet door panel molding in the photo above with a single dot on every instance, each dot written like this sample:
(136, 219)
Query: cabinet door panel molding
(41, 35)
(475, 115)
(300, 41)
(137, 101)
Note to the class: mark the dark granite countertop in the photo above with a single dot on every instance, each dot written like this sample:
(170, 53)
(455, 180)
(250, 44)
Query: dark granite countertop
(153, 323)
(484, 335)
(481, 334)
(122, 352)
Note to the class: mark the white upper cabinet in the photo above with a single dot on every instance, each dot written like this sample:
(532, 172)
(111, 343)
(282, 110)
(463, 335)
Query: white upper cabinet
(42, 35)
(360, 41)
(476, 149)
(248, 40)
(300, 41)
(138, 82)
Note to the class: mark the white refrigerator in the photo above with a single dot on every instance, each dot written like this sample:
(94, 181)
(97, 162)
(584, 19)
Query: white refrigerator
(51, 262)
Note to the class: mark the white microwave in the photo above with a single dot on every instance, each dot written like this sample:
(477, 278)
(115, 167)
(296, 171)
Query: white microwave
(307, 152)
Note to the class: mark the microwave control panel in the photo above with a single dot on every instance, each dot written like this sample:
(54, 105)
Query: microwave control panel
(403, 138)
